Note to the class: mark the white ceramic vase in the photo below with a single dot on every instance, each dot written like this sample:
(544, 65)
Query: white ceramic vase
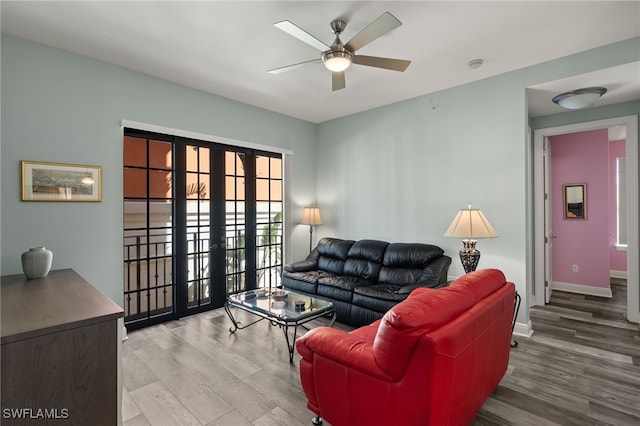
(36, 262)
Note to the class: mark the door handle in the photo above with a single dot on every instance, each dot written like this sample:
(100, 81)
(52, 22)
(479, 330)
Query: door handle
(214, 246)
(222, 245)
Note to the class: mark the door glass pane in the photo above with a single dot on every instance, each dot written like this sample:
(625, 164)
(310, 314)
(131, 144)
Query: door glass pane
(235, 222)
(135, 151)
(160, 155)
(268, 221)
(135, 183)
(159, 184)
(275, 168)
(204, 154)
(148, 230)
(194, 186)
(276, 190)
(198, 227)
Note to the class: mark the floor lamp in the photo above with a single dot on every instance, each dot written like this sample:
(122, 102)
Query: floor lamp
(311, 217)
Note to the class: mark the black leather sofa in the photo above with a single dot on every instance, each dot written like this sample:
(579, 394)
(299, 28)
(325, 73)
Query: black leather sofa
(364, 279)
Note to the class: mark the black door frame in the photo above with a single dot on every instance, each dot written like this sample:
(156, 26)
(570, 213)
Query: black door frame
(217, 221)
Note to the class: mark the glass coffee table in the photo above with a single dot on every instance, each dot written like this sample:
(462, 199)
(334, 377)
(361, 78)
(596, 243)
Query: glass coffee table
(283, 308)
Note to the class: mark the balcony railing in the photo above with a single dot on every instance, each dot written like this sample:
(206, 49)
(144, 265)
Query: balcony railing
(149, 269)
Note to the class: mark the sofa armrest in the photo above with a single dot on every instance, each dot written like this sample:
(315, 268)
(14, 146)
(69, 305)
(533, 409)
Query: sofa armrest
(435, 274)
(344, 348)
(309, 264)
(302, 266)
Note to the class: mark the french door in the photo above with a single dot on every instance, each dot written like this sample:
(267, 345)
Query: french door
(201, 221)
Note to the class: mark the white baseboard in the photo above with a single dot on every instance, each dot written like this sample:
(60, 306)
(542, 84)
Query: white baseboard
(523, 330)
(582, 289)
(618, 274)
(124, 334)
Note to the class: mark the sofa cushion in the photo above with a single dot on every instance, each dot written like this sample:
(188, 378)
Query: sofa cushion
(332, 254)
(334, 247)
(372, 250)
(411, 255)
(340, 287)
(377, 298)
(404, 263)
(399, 276)
(344, 282)
(365, 258)
(381, 291)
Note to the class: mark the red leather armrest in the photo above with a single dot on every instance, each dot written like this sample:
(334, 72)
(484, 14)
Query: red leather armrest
(349, 350)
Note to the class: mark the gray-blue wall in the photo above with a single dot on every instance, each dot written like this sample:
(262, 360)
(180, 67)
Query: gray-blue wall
(66, 108)
(401, 172)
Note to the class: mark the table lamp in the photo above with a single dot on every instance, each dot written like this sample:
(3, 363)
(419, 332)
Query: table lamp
(471, 225)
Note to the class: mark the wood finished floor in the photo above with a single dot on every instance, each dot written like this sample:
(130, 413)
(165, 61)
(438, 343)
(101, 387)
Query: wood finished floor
(581, 367)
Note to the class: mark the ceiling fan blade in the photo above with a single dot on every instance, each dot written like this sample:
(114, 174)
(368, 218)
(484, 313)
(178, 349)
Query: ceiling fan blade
(293, 67)
(386, 63)
(292, 29)
(382, 25)
(337, 81)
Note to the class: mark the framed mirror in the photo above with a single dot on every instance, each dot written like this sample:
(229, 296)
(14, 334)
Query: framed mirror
(574, 197)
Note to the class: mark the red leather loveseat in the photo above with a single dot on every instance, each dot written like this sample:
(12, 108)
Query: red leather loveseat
(433, 359)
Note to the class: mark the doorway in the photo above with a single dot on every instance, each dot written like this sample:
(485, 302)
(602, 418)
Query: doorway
(201, 220)
(541, 240)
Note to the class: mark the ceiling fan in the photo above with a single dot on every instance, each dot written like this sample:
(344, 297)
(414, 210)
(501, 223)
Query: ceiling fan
(338, 57)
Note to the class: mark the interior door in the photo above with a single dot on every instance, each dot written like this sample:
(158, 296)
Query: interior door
(548, 231)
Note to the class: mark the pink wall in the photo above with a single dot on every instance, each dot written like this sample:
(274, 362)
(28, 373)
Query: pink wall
(617, 259)
(581, 158)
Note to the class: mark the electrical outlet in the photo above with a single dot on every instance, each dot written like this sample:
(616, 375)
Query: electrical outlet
(575, 268)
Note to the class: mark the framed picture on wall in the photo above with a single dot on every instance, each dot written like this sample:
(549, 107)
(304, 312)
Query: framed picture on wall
(574, 197)
(44, 181)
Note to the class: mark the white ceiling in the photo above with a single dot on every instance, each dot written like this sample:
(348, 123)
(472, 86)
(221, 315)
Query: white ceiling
(226, 47)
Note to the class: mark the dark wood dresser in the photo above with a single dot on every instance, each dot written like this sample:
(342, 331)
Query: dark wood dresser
(60, 351)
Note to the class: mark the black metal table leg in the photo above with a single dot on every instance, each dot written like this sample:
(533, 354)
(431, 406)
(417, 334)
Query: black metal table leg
(516, 309)
(236, 324)
(290, 346)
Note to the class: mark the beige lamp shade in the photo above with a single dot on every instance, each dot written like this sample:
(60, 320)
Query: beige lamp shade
(311, 216)
(471, 224)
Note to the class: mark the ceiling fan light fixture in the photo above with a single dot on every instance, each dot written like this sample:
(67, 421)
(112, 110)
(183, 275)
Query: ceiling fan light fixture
(336, 61)
(580, 98)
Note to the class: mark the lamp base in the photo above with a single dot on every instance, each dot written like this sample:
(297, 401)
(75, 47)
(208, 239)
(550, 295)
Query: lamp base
(469, 255)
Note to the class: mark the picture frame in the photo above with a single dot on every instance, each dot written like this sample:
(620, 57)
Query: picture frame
(574, 199)
(46, 181)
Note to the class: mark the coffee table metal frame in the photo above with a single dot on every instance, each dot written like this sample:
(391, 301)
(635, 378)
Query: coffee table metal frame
(280, 312)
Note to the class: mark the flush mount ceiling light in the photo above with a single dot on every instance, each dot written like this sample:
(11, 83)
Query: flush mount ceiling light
(475, 63)
(580, 98)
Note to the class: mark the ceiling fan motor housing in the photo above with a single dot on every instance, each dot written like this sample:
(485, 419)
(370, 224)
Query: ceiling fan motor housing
(338, 26)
